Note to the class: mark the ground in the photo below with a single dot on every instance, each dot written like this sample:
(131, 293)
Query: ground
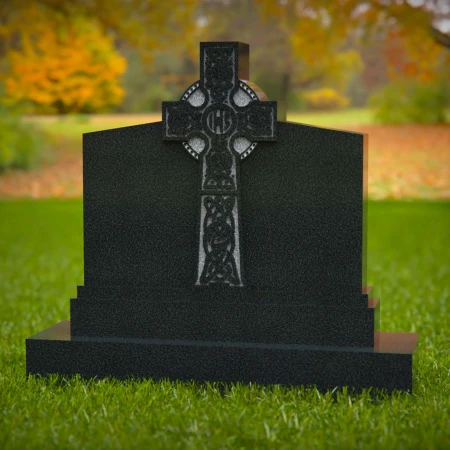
(408, 161)
(41, 263)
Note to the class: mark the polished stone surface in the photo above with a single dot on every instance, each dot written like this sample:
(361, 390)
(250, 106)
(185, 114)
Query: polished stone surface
(215, 266)
(238, 321)
(302, 216)
(387, 365)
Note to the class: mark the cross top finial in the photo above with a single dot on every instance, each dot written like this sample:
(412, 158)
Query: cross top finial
(222, 65)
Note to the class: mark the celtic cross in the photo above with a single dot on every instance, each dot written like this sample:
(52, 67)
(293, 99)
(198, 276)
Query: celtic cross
(220, 119)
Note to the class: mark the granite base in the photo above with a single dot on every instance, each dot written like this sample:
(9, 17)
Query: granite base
(387, 365)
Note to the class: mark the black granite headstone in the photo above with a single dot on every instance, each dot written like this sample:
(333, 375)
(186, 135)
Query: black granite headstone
(223, 245)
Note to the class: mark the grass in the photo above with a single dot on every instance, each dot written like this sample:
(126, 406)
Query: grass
(345, 117)
(72, 127)
(41, 264)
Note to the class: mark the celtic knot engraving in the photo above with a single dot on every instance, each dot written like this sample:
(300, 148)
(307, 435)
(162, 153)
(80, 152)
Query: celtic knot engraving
(258, 118)
(219, 241)
(219, 72)
(181, 120)
(219, 168)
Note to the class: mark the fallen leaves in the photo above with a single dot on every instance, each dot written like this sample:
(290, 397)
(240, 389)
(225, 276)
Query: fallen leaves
(410, 161)
(63, 179)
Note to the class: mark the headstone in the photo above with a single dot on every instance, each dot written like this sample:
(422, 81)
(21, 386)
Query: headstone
(223, 245)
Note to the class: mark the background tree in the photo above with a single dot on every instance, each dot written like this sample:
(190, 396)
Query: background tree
(292, 46)
(60, 55)
(144, 25)
(74, 69)
(361, 21)
(297, 45)
(413, 52)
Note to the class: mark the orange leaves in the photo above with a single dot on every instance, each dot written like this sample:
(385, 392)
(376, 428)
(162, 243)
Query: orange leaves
(416, 55)
(74, 68)
(409, 161)
(144, 24)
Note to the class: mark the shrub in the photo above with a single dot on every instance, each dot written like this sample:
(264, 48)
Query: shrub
(325, 99)
(296, 102)
(149, 99)
(20, 145)
(411, 102)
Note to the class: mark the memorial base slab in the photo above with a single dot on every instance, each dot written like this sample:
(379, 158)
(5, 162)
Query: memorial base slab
(388, 365)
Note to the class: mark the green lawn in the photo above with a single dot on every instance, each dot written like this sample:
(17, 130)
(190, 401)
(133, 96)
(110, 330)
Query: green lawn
(74, 126)
(41, 264)
(344, 117)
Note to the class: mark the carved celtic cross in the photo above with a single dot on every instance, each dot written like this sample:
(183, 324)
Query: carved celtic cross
(220, 119)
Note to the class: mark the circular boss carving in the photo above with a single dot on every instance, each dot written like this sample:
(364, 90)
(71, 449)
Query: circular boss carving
(219, 120)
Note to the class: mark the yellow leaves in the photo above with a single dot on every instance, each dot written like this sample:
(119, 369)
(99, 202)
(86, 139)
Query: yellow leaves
(69, 69)
(325, 99)
(316, 33)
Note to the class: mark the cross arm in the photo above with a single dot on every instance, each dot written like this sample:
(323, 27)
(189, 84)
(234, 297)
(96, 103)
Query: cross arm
(179, 119)
(257, 122)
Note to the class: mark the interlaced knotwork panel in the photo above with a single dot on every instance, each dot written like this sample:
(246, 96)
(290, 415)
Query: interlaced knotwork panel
(219, 240)
(219, 72)
(219, 173)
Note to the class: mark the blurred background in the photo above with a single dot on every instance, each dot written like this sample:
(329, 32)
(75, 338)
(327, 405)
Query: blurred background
(377, 66)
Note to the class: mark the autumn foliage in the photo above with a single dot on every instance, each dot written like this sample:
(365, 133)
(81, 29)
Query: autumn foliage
(62, 56)
(325, 99)
(415, 56)
(72, 69)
